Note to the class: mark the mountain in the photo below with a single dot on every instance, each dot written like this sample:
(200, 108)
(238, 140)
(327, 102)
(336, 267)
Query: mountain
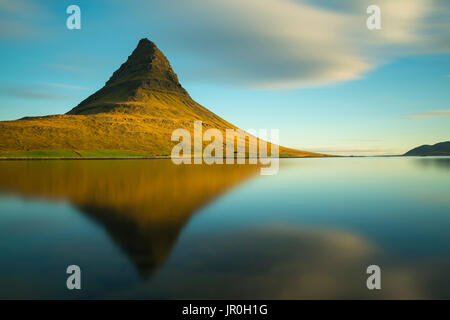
(438, 149)
(133, 115)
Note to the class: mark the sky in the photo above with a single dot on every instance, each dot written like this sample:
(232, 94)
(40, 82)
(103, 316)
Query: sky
(311, 69)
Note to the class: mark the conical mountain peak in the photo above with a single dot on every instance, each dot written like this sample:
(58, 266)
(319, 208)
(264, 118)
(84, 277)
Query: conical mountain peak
(134, 114)
(146, 74)
(146, 62)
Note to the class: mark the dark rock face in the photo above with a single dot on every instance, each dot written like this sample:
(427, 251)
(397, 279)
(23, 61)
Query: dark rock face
(146, 71)
(439, 149)
(146, 63)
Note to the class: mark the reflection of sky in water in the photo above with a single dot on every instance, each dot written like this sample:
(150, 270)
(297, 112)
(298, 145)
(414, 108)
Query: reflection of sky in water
(308, 232)
(393, 202)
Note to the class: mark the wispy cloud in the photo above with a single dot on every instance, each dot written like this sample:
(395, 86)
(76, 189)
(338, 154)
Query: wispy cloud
(429, 114)
(29, 92)
(20, 18)
(279, 44)
(270, 44)
(357, 150)
(41, 91)
(63, 85)
(358, 140)
(63, 67)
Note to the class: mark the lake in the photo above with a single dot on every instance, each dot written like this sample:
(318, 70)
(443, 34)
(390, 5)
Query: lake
(148, 229)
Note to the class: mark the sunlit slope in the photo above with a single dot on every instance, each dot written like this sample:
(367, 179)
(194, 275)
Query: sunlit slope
(97, 135)
(133, 115)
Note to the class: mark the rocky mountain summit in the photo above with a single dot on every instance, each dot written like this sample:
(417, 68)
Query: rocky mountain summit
(147, 71)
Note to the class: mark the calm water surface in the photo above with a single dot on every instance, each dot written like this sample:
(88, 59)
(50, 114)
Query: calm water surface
(150, 229)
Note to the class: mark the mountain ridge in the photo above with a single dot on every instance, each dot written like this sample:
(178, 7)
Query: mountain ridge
(438, 149)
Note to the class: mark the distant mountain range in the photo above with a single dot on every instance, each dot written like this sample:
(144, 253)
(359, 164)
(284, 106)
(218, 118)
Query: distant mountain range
(133, 115)
(438, 149)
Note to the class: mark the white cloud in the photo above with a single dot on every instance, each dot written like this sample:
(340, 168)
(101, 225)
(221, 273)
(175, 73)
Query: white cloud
(275, 44)
(269, 44)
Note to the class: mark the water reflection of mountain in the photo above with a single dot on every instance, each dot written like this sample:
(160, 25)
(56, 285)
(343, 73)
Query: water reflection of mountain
(440, 163)
(142, 204)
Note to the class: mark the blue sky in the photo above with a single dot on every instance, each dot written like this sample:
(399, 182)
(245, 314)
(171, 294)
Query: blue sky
(309, 68)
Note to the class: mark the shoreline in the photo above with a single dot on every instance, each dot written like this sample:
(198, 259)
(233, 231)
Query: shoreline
(143, 158)
(169, 158)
